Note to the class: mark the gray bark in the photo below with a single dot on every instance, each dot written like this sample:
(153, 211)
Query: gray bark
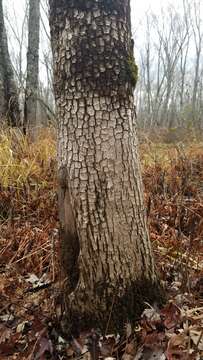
(9, 108)
(32, 80)
(106, 252)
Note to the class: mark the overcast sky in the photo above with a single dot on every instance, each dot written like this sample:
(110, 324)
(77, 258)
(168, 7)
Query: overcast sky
(139, 7)
(15, 10)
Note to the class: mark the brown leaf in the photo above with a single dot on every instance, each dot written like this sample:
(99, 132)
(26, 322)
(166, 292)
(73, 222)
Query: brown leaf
(107, 346)
(130, 348)
(45, 347)
(197, 337)
(171, 315)
(5, 333)
(177, 345)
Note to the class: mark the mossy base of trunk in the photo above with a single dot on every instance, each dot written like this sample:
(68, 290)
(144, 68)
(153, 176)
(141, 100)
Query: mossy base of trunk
(119, 310)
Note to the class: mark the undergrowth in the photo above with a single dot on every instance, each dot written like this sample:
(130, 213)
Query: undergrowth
(22, 161)
(29, 282)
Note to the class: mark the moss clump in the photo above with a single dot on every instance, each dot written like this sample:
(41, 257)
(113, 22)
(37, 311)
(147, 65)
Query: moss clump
(132, 70)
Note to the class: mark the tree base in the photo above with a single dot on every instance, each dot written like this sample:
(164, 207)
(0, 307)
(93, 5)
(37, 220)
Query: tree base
(118, 310)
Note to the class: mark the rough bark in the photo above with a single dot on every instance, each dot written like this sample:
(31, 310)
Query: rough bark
(32, 80)
(106, 251)
(9, 107)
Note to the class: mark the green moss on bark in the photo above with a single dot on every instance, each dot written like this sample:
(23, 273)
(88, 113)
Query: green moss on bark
(132, 70)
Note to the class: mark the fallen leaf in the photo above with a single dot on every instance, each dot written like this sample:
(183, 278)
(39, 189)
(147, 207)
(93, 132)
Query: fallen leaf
(197, 337)
(5, 333)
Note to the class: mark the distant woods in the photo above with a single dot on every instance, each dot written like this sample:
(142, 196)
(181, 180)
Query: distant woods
(25, 100)
(170, 87)
(168, 51)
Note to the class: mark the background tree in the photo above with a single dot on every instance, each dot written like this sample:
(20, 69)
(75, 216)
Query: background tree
(18, 36)
(32, 80)
(169, 55)
(9, 108)
(106, 251)
(170, 59)
(198, 39)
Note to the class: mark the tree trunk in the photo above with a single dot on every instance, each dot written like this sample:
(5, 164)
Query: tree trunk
(9, 107)
(32, 80)
(106, 251)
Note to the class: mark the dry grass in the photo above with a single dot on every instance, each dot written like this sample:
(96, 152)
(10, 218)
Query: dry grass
(173, 178)
(22, 161)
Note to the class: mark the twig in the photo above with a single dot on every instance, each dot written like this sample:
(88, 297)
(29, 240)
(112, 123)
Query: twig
(111, 310)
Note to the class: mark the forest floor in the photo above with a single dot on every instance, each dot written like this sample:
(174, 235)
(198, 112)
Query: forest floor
(30, 298)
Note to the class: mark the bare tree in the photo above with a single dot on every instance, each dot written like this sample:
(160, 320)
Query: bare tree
(184, 56)
(19, 38)
(171, 92)
(146, 59)
(32, 80)
(173, 42)
(198, 38)
(9, 107)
